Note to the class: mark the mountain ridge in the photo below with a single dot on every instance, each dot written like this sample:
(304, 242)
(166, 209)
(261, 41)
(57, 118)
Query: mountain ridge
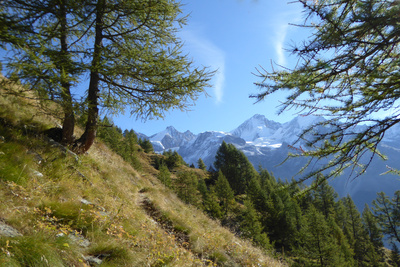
(267, 143)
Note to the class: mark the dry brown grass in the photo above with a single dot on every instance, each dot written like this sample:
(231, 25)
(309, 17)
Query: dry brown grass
(115, 222)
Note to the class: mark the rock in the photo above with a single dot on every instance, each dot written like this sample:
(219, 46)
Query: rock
(63, 149)
(80, 240)
(92, 260)
(8, 231)
(36, 156)
(86, 202)
(36, 173)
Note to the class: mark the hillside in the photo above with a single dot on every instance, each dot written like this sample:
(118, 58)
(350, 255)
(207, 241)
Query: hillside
(60, 209)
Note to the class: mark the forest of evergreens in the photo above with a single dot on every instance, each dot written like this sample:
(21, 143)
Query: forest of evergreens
(307, 225)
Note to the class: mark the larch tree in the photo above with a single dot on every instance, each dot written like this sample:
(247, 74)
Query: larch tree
(251, 227)
(225, 193)
(374, 233)
(324, 196)
(347, 71)
(387, 213)
(201, 165)
(357, 235)
(321, 241)
(235, 166)
(128, 48)
(44, 50)
(372, 228)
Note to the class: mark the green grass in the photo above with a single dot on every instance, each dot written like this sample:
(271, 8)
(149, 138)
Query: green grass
(46, 208)
(37, 250)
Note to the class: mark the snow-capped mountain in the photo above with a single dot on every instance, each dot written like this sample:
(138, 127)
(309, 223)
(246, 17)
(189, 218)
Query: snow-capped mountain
(170, 138)
(257, 136)
(258, 130)
(266, 143)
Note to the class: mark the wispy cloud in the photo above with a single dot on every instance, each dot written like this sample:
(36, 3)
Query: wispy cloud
(207, 53)
(280, 37)
(282, 29)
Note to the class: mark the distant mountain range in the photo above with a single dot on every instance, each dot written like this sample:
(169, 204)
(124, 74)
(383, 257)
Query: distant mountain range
(266, 143)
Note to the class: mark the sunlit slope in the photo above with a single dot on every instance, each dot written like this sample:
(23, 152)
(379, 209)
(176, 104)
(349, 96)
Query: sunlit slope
(60, 209)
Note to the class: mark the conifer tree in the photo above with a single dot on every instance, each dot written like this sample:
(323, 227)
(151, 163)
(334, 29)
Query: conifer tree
(202, 187)
(267, 180)
(250, 226)
(211, 205)
(324, 196)
(394, 256)
(347, 71)
(281, 219)
(111, 135)
(387, 212)
(173, 159)
(235, 166)
(357, 236)
(130, 149)
(201, 165)
(165, 176)
(258, 196)
(129, 49)
(146, 145)
(225, 193)
(373, 229)
(321, 241)
(186, 187)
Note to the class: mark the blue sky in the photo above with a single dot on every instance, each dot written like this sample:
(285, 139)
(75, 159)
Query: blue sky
(235, 37)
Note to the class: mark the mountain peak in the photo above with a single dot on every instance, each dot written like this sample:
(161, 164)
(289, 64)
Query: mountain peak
(258, 125)
(258, 117)
(171, 129)
(305, 121)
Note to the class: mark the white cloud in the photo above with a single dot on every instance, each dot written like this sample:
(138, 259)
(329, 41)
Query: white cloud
(282, 30)
(208, 54)
(280, 37)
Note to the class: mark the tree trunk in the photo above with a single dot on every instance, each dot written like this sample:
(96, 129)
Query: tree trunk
(84, 143)
(64, 68)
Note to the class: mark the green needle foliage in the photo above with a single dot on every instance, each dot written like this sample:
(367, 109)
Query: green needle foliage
(322, 242)
(129, 49)
(387, 212)
(348, 71)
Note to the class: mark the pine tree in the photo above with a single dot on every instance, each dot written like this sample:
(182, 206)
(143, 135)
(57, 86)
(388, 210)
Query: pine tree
(130, 148)
(321, 241)
(165, 176)
(235, 166)
(373, 229)
(225, 193)
(129, 49)
(201, 165)
(357, 236)
(109, 134)
(173, 159)
(395, 256)
(346, 71)
(387, 213)
(186, 187)
(211, 205)
(146, 145)
(250, 226)
(324, 196)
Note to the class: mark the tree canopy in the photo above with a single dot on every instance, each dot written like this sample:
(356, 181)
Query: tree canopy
(129, 49)
(348, 72)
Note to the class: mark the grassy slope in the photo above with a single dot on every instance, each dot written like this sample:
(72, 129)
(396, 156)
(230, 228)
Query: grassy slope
(129, 217)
